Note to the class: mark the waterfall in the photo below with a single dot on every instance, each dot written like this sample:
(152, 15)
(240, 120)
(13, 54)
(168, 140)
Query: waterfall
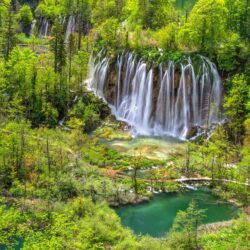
(182, 99)
(44, 28)
(32, 27)
(70, 27)
(98, 73)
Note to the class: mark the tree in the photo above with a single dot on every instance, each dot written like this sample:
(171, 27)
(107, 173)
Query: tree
(82, 19)
(7, 26)
(233, 53)
(235, 105)
(149, 14)
(246, 142)
(58, 47)
(109, 32)
(245, 152)
(184, 232)
(167, 37)
(238, 17)
(25, 16)
(218, 151)
(19, 74)
(102, 10)
(156, 14)
(205, 29)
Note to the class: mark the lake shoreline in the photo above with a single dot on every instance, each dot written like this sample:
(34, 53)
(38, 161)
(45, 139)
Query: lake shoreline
(144, 199)
(157, 214)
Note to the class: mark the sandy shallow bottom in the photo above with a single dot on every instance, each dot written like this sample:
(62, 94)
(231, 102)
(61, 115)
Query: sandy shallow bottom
(150, 147)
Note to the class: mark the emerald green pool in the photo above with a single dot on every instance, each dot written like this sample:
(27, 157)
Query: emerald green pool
(156, 217)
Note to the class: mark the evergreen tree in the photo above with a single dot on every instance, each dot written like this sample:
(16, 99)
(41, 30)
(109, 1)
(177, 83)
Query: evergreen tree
(7, 26)
(184, 232)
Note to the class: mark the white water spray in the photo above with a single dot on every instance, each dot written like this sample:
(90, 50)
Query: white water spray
(44, 28)
(172, 106)
(70, 27)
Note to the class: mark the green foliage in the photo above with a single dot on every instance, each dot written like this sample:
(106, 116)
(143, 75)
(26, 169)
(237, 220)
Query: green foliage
(109, 32)
(20, 71)
(167, 38)
(8, 27)
(87, 114)
(157, 14)
(97, 224)
(201, 31)
(58, 47)
(245, 151)
(232, 53)
(184, 232)
(49, 9)
(103, 10)
(109, 133)
(10, 220)
(238, 17)
(235, 105)
(25, 15)
(235, 237)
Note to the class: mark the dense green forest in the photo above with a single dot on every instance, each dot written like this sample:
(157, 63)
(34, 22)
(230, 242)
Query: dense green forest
(59, 176)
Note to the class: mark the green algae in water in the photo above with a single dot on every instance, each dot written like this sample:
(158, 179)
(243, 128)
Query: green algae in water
(156, 217)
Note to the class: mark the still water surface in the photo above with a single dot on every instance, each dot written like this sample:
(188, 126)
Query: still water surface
(156, 217)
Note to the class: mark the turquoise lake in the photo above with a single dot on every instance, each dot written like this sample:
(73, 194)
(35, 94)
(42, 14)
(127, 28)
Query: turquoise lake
(156, 217)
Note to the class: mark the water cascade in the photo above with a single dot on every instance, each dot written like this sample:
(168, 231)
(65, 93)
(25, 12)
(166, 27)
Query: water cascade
(169, 100)
(32, 27)
(70, 27)
(44, 28)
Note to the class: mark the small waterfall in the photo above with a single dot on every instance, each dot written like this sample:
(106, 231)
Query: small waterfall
(44, 28)
(32, 27)
(98, 71)
(182, 99)
(70, 27)
(61, 19)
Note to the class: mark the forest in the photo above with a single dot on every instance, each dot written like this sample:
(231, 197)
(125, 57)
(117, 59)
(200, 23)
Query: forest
(108, 107)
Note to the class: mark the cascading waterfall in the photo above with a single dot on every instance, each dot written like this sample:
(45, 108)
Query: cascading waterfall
(98, 71)
(70, 27)
(32, 27)
(44, 28)
(180, 101)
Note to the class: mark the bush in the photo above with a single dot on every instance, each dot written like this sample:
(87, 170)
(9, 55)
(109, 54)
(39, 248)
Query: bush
(25, 16)
(166, 37)
(231, 53)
